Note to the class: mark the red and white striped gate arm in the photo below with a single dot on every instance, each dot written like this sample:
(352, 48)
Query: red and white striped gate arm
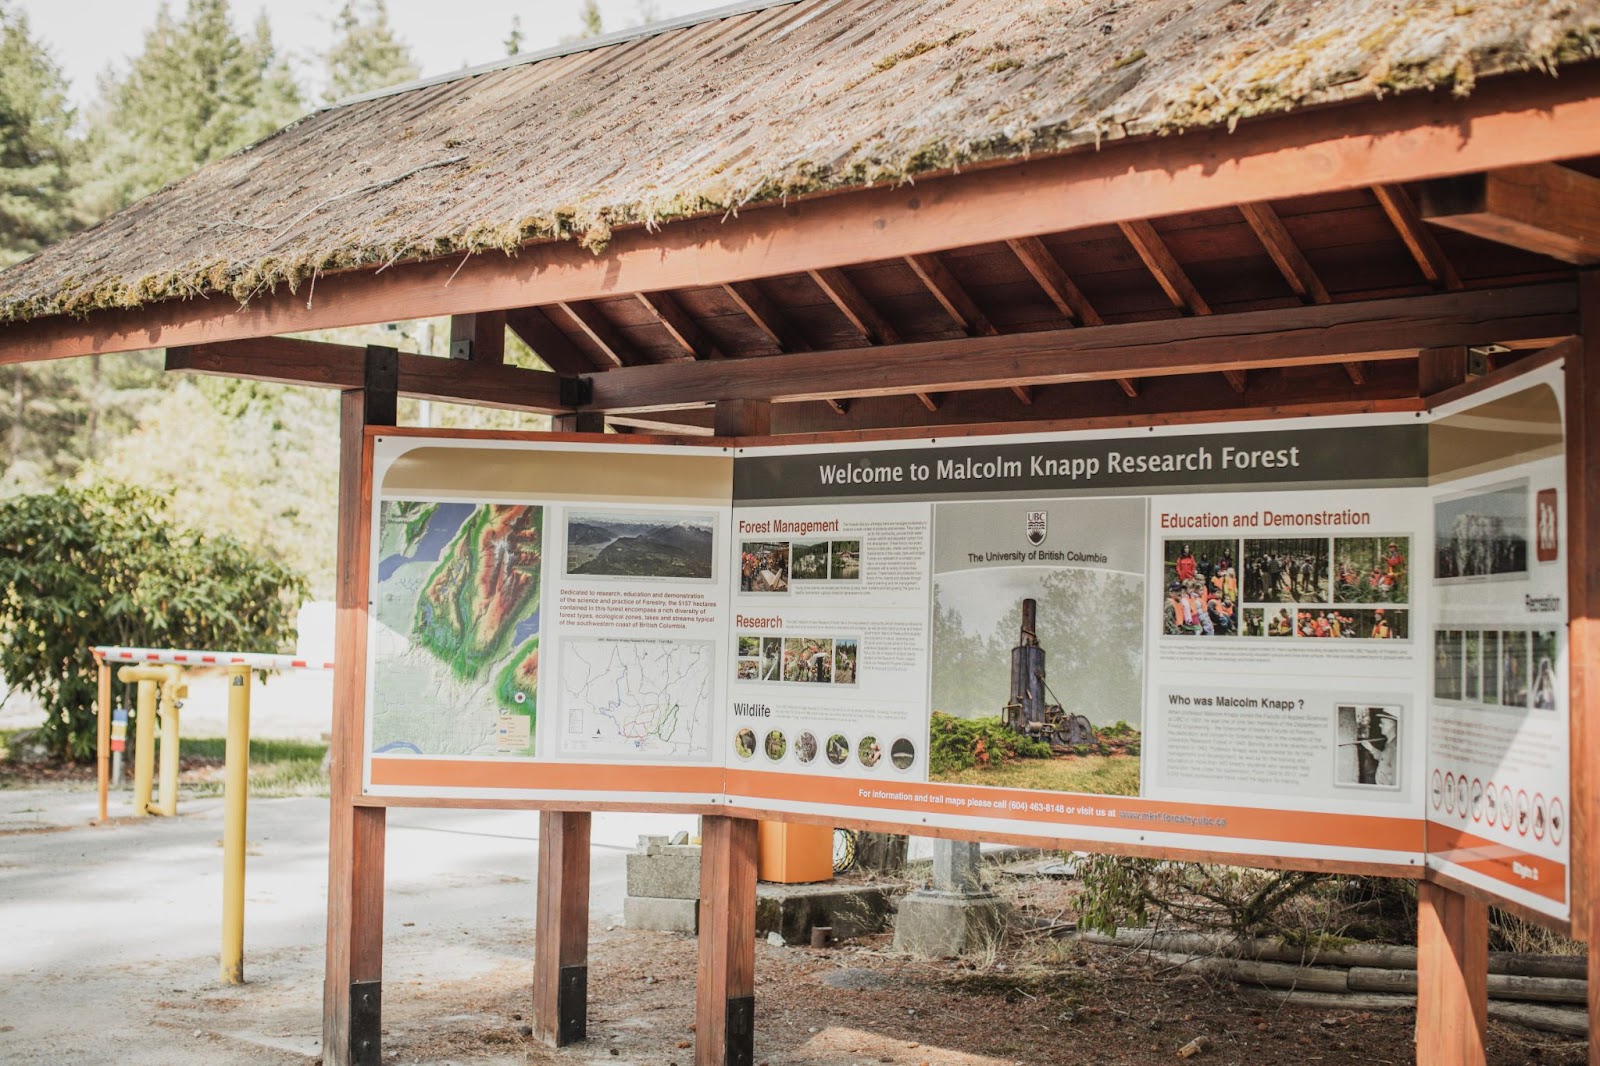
(254, 660)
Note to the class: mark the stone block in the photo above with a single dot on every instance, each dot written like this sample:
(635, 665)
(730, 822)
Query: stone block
(938, 924)
(792, 910)
(666, 871)
(668, 915)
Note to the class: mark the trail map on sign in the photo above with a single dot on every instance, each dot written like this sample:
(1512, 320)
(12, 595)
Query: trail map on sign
(637, 697)
(457, 642)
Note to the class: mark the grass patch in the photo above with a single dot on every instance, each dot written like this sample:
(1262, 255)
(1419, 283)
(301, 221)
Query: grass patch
(277, 767)
(1103, 775)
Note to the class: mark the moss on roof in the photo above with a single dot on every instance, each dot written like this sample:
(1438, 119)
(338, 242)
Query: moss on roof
(796, 99)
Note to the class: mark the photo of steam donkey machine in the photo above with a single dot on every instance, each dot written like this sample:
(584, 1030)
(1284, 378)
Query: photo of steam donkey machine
(1030, 711)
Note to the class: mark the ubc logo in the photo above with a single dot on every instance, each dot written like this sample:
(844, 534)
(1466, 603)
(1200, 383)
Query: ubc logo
(1036, 526)
(1548, 523)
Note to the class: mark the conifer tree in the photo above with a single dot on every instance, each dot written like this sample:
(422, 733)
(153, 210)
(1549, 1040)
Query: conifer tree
(36, 149)
(367, 55)
(197, 92)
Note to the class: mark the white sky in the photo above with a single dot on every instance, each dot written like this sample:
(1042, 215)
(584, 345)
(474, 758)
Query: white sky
(86, 36)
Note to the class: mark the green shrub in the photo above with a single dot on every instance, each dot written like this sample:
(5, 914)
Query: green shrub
(82, 566)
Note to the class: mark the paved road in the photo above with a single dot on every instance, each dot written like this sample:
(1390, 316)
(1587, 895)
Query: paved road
(122, 921)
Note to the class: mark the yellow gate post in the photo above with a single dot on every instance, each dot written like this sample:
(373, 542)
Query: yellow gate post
(235, 792)
(172, 689)
(144, 736)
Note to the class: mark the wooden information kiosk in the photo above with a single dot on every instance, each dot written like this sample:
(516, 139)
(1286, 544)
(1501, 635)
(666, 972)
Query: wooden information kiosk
(1293, 381)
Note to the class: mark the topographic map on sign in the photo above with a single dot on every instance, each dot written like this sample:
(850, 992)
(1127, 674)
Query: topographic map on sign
(647, 698)
(456, 655)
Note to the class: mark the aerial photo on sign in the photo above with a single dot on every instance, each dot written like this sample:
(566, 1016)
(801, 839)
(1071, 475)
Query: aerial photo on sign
(456, 647)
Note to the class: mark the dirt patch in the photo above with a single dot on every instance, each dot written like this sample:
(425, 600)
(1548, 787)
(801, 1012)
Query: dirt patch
(1091, 1004)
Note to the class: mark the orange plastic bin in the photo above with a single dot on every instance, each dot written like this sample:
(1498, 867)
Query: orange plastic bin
(791, 854)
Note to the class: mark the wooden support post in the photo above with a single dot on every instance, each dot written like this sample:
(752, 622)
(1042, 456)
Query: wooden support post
(352, 993)
(561, 936)
(102, 732)
(1583, 649)
(743, 418)
(1440, 368)
(579, 422)
(725, 986)
(1452, 977)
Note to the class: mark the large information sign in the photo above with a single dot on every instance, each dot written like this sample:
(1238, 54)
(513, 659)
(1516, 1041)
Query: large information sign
(1336, 639)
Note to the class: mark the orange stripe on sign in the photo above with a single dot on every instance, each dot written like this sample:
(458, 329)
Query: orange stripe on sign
(410, 771)
(1124, 813)
(1512, 866)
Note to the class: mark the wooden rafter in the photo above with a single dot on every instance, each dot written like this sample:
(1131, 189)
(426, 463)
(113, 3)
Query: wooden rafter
(341, 366)
(540, 333)
(750, 298)
(952, 295)
(665, 309)
(1315, 334)
(1424, 249)
(959, 305)
(1173, 279)
(1291, 262)
(1062, 291)
(866, 320)
(602, 332)
(863, 317)
(1164, 266)
(1544, 207)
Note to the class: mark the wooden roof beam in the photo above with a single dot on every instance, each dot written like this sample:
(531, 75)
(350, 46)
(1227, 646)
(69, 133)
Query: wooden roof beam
(1070, 301)
(666, 309)
(1424, 249)
(1545, 208)
(1317, 334)
(341, 366)
(602, 332)
(1291, 262)
(1173, 279)
(539, 332)
(959, 305)
(837, 286)
(749, 298)
(1086, 405)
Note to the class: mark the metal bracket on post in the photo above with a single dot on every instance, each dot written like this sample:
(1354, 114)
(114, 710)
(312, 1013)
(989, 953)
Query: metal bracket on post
(366, 1019)
(381, 385)
(572, 1005)
(739, 1038)
(576, 392)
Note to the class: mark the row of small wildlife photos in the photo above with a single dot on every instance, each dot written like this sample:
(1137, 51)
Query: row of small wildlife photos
(1496, 667)
(868, 750)
(817, 660)
(1287, 587)
(768, 566)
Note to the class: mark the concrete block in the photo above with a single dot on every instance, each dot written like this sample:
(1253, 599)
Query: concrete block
(792, 910)
(666, 871)
(938, 924)
(668, 915)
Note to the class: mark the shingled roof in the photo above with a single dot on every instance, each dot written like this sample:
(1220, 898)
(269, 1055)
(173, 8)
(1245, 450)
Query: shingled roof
(757, 105)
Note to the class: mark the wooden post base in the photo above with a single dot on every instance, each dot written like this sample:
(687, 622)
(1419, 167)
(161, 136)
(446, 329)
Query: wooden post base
(1452, 977)
(725, 985)
(561, 935)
